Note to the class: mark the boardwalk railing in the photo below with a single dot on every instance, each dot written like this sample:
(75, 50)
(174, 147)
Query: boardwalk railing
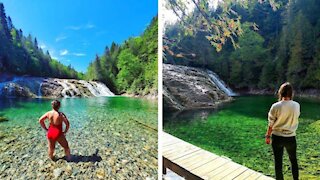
(192, 162)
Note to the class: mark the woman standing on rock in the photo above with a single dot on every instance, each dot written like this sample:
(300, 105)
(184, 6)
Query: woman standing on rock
(54, 132)
(283, 123)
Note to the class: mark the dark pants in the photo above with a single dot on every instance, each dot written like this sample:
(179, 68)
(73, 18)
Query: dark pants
(278, 143)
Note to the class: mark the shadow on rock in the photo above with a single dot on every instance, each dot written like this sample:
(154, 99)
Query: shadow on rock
(80, 158)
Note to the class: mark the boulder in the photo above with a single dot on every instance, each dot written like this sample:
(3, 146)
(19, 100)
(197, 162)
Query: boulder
(189, 88)
(15, 90)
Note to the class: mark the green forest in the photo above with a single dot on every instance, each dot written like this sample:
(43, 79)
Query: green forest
(275, 45)
(130, 67)
(21, 55)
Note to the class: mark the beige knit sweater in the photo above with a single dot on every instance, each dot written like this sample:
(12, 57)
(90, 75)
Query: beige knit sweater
(283, 118)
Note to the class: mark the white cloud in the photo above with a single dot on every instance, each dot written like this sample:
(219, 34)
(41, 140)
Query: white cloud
(79, 27)
(64, 52)
(42, 46)
(54, 57)
(90, 26)
(74, 27)
(60, 38)
(79, 54)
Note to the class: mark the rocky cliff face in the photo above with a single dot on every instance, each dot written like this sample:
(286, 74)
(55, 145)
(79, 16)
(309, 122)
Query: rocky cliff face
(190, 88)
(51, 87)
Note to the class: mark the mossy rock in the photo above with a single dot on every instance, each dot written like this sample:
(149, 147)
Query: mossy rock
(3, 119)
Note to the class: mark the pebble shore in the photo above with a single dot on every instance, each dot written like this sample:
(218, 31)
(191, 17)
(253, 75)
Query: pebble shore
(101, 149)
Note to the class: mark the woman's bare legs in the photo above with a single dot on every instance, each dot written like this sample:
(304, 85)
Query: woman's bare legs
(64, 143)
(51, 146)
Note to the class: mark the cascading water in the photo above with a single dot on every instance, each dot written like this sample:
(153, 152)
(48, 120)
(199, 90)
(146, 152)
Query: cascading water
(39, 91)
(103, 89)
(222, 85)
(48, 87)
(95, 88)
(67, 91)
(90, 87)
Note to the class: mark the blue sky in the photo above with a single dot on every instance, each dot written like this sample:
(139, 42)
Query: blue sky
(75, 30)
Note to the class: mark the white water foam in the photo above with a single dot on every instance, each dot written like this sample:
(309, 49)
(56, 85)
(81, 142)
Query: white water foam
(221, 84)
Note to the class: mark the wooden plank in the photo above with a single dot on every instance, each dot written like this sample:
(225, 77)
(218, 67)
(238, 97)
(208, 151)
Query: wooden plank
(170, 140)
(192, 162)
(182, 152)
(179, 170)
(174, 148)
(202, 170)
(244, 175)
(222, 171)
(166, 139)
(169, 143)
(190, 166)
(235, 173)
(197, 160)
(202, 162)
(264, 177)
(254, 175)
(188, 157)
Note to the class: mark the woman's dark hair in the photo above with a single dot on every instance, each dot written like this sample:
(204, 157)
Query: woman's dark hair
(55, 105)
(285, 90)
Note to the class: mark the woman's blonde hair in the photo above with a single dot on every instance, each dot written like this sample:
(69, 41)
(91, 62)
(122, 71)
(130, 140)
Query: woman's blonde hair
(285, 90)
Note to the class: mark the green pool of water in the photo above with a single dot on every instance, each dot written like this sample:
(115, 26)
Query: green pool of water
(115, 127)
(80, 111)
(237, 130)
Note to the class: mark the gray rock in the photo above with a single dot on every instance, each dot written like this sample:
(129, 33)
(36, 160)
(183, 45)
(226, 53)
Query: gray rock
(25, 86)
(189, 88)
(40, 162)
(57, 172)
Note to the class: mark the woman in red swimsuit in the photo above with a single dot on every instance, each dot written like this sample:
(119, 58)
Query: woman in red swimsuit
(54, 132)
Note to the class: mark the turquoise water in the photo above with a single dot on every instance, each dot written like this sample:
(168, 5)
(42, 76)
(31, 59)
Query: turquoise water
(237, 130)
(116, 127)
(80, 111)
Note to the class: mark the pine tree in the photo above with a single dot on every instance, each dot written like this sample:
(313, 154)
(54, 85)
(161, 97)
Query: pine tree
(3, 22)
(10, 25)
(35, 43)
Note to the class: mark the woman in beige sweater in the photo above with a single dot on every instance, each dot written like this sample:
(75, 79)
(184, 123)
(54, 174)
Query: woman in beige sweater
(282, 124)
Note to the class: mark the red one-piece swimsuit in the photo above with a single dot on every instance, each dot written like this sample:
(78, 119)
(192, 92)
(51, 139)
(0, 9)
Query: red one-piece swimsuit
(54, 131)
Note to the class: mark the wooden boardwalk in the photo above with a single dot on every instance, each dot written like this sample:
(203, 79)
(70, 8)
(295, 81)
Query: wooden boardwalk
(192, 162)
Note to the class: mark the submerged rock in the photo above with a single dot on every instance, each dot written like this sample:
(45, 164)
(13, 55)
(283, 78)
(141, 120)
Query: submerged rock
(57, 172)
(100, 173)
(3, 119)
(188, 88)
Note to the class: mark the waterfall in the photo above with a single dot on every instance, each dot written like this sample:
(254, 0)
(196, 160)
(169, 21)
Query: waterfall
(222, 85)
(103, 89)
(97, 88)
(38, 87)
(67, 90)
(39, 91)
(90, 87)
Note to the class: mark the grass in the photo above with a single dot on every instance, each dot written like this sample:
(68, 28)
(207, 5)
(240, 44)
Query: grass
(237, 131)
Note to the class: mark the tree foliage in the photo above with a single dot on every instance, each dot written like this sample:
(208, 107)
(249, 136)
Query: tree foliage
(21, 55)
(282, 46)
(220, 27)
(130, 67)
